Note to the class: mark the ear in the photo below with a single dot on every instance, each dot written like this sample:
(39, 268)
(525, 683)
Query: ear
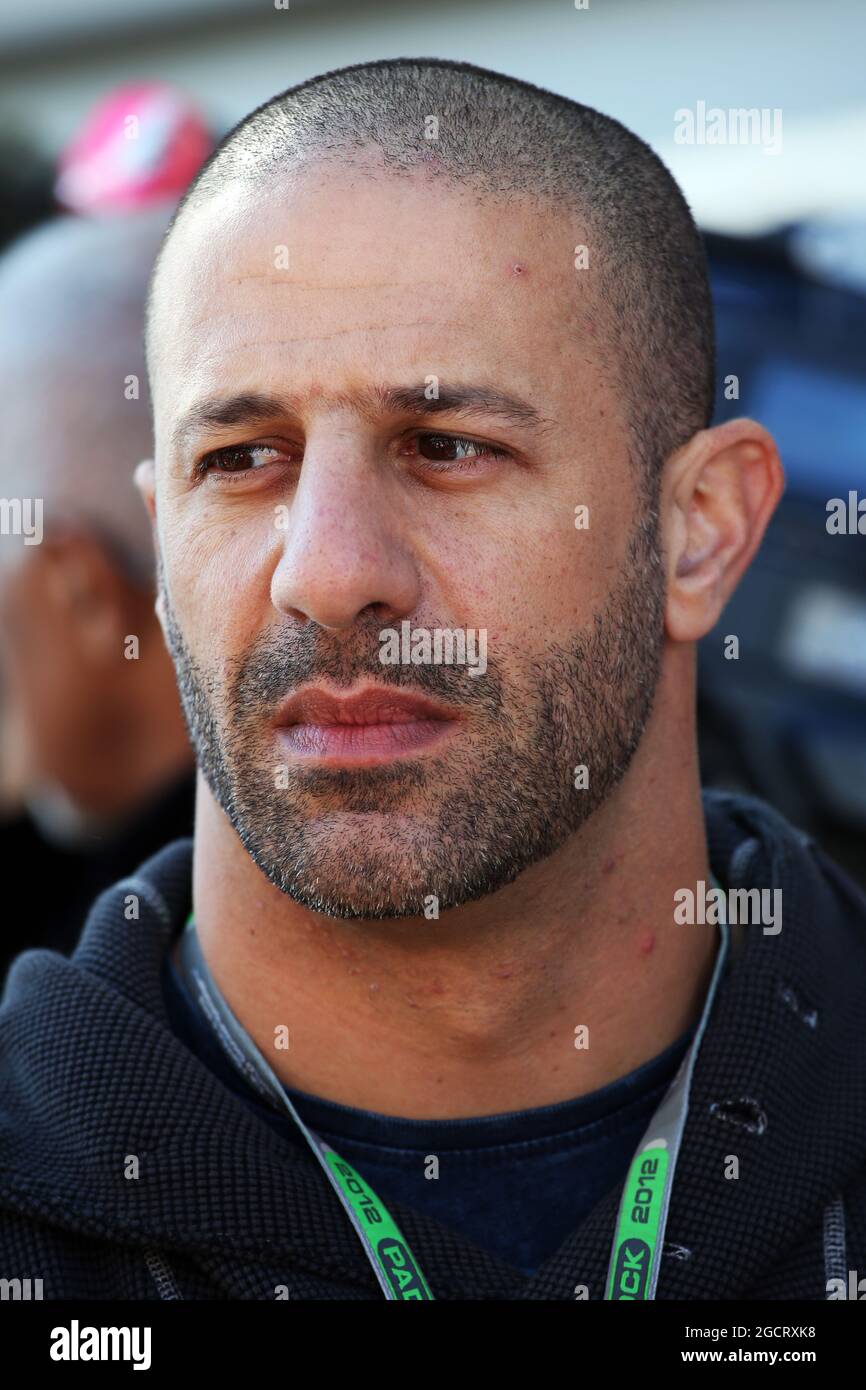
(719, 493)
(145, 481)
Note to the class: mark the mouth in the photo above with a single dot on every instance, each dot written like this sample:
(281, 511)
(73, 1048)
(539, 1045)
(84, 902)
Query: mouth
(371, 726)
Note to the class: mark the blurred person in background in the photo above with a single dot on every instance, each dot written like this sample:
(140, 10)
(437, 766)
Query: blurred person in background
(95, 765)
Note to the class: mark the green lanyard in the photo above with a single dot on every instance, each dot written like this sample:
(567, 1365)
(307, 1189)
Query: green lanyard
(633, 1270)
(643, 1208)
(388, 1252)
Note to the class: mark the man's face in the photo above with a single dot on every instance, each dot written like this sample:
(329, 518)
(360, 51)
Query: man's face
(352, 510)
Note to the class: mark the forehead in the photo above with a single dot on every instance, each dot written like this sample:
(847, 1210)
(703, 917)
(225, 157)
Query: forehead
(338, 277)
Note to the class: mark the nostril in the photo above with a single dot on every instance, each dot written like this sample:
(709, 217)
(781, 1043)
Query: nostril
(743, 1112)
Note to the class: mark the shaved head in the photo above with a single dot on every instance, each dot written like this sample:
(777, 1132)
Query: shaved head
(76, 416)
(643, 265)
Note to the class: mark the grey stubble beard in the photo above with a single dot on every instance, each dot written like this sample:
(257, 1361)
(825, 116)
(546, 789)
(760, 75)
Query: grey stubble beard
(379, 842)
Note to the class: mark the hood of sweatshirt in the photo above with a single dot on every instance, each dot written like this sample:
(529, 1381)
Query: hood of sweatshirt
(94, 1087)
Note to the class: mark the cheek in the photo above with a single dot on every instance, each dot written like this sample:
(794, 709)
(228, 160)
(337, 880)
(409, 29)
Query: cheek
(530, 582)
(218, 572)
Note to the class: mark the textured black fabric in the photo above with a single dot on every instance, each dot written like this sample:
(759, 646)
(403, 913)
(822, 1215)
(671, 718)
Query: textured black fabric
(62, 880)
(91, 1076)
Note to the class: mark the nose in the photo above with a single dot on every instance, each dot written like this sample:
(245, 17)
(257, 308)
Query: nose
(344, 549)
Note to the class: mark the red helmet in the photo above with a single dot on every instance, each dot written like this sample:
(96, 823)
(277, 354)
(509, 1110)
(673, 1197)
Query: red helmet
(142, 144)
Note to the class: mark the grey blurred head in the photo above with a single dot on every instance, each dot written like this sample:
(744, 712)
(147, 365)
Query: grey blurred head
(75, 416)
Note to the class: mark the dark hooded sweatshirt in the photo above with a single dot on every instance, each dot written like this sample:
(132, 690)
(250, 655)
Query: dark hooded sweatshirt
(94, 1085)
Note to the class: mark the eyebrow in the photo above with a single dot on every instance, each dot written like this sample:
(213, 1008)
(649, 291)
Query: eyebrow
(255, 408)
(464, 400)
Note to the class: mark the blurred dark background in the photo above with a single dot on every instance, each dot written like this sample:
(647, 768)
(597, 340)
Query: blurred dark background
(787, 719)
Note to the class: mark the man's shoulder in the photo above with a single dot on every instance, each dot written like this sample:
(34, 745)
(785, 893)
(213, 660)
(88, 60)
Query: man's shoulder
(156, 894)
(751, 844)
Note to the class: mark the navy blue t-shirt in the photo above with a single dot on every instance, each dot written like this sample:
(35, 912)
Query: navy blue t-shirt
(516, 1184)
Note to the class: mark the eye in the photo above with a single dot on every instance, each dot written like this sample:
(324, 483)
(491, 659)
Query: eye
(240, 460)
(454, 449)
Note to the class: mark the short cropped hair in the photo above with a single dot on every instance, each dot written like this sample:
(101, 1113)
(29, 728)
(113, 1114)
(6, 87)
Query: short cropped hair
(501, 136)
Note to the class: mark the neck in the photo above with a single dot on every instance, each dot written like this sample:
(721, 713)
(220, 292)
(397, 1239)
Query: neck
(476, 1013)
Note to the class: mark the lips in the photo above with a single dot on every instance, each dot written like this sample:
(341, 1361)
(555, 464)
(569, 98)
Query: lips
(369, 726)
(375, 705)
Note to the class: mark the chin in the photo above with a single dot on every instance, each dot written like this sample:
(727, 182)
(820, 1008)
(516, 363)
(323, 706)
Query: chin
(374, 896)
